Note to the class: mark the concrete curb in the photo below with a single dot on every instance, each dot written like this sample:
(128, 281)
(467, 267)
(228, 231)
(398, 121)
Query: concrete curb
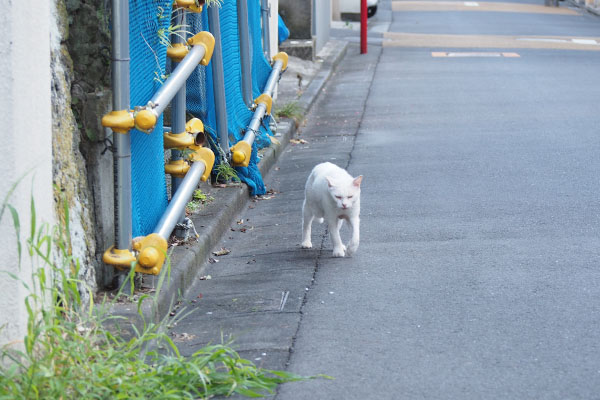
(590, 8)
(189, 261)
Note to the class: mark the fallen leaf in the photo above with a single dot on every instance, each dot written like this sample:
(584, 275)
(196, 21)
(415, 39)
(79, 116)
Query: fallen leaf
(222, 252)
(181, 337)
(298, 141)
(213, 260)
(205, 278)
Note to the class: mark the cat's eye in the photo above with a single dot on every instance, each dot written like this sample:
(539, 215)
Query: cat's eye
(349, 197)
(338, 197)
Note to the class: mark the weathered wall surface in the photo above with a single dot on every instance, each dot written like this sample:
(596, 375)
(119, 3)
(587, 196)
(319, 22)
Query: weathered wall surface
(26, 156)
(82, 157)
(68, 167)
(297, 15)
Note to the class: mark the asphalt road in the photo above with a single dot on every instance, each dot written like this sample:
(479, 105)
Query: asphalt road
(477, 275)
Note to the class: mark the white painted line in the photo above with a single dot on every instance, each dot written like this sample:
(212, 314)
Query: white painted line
(474, 54)
(584, 41)
(471, 4)
(542, 40)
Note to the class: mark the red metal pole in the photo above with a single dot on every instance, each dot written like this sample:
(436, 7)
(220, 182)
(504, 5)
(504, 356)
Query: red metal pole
(363, 26)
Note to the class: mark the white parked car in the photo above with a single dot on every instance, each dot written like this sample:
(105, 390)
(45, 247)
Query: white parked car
(351, 8)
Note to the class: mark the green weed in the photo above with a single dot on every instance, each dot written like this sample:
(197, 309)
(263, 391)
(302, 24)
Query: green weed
(199, 198)
(165, 34)
(78, 350)
(290, 110)
(226, 173)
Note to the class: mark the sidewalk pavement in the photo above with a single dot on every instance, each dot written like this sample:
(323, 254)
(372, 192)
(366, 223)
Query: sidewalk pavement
(252, 294)
(301, 83)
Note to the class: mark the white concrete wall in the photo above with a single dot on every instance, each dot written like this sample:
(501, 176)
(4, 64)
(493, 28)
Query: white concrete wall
(274, 27)
(321, 23)
(25, 115)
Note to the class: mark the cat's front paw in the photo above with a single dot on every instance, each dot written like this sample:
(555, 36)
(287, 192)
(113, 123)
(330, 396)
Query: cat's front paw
(351, 249)
(306, 244)
(339, 251)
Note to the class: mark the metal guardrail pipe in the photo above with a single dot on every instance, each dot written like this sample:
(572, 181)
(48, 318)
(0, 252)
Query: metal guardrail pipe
(241, 151)
(265, 9)
(174, 83)
(262, 107)
(246, 61)
(219, 80)
(152, 249)
(176, 207)
(178, 108)
(122, 141)
(273, 77)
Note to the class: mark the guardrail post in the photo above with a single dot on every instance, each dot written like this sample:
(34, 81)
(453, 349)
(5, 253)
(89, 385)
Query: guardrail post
(219, 80)
(246, 61)
(121, 139)
(266, 13)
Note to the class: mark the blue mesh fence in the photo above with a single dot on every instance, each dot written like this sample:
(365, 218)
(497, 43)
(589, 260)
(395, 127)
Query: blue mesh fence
(149, 21)
(200, 90)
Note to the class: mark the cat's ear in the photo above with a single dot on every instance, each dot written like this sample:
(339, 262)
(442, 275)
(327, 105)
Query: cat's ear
(356, 182)
(329, 182)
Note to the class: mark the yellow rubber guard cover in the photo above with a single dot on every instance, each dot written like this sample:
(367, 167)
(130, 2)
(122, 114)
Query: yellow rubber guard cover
(266, 100)
(240, 154)
(145, 120)
(205, 155)
(177, 140)
(207, 40)
(119, 121)
(152, 251)
(194, 126)
(177, 168)
(185, 3)
(118, 258)
(282, 55)
(190, 5)
(177, 52)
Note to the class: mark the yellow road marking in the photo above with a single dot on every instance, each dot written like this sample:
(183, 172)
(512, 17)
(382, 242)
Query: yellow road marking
(481, 6)
(396, 39)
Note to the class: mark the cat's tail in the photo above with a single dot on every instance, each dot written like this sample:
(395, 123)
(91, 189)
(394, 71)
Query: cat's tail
(320, 220)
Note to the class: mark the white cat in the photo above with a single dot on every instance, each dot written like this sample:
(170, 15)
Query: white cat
(333, 195)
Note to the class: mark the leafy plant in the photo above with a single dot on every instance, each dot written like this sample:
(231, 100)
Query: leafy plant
(290, 110)
(74, 349)
(199, 198)
(164, 34)
(226, 173)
